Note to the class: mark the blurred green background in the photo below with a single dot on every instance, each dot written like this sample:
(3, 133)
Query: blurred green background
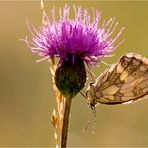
(26, 94)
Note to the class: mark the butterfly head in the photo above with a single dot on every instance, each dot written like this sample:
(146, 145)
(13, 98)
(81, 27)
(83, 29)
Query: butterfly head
(91, 100)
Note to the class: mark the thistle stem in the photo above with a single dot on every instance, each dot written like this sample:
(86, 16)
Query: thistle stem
(65, 122)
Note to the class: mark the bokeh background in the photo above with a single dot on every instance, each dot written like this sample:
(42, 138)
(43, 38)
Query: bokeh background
(26, 94)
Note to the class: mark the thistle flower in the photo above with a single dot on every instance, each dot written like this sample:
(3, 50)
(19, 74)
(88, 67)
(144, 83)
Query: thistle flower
(76, 42)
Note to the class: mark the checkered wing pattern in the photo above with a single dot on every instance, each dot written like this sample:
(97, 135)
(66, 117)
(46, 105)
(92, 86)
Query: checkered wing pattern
(124, 82)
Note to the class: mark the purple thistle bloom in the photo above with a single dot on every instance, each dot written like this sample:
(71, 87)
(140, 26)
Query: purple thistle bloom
(75, 42)
(78, 37)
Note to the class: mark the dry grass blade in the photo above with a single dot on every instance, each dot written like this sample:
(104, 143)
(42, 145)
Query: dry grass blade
(54, 122)
(59, 97)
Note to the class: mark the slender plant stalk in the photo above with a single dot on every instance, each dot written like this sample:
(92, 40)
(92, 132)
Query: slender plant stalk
(63, 116)
(59, 96)
(66, 122)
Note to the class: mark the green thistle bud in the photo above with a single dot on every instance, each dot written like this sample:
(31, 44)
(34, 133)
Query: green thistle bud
(70, 77)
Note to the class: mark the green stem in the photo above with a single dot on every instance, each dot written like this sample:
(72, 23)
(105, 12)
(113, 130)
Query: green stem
(65, 122)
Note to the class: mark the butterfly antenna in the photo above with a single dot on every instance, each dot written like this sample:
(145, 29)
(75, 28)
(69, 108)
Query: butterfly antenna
(88, 122)
(95, 121)
(83, 94)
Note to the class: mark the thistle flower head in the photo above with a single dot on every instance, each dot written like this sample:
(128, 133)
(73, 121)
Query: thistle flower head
(79, 37)
(74, 39)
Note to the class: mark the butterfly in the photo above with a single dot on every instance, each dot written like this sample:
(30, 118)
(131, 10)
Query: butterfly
(124, 82)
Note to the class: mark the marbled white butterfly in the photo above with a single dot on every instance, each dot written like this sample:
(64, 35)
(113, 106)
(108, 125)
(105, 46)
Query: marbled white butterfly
(124, 82)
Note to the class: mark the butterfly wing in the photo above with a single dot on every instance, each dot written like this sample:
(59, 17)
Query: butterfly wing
(124, 82)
